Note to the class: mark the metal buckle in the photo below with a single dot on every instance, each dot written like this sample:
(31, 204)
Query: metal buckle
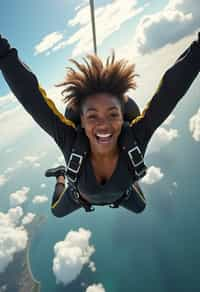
(137, 149)
(73, 170)
(79, 162)
(139, 174)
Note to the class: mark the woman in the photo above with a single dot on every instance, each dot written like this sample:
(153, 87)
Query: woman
(131, 111)
(98, 93)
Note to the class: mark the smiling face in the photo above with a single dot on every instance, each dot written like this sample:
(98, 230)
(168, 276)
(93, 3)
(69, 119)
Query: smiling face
(102, 119)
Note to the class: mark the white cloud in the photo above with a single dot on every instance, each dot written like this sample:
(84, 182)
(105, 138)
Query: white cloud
(34, 159)
(71, 255)
(153, 175)
(31, 158)
(12, 217)
(3, 288)
(175, 185)
(7, 100)
(95, 288)
(150, 75)
(9, 150)
(19, 197)
(194, 126)
(3, 179)
(109, 19)
(175, 21)
(28, 218)
(23, 120)
(48, 42)
(13, 238)
(9, 170)
(80, 5)
(40, 199)
(161, 138)
(92, 266)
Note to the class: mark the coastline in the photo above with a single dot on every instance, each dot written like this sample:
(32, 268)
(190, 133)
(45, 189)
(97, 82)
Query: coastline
(36, 284)
(18, 275)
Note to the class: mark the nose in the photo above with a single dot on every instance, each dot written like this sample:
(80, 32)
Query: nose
(103, 123)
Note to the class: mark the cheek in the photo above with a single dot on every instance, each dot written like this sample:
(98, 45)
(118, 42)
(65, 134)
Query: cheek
(88, 130)
(118, 126)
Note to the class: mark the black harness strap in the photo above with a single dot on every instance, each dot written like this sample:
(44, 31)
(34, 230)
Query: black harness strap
(79, 152)
(129, 144)
(79, 199)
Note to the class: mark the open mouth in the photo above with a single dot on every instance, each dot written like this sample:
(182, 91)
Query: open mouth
(104, 138)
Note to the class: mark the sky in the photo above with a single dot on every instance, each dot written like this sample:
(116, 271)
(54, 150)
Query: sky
(47, 33)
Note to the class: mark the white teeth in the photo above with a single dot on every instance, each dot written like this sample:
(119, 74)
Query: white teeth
(103, 135)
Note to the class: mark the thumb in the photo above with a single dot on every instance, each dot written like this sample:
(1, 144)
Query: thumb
(4, 46)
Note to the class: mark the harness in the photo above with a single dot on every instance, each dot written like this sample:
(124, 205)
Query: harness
(80, 150)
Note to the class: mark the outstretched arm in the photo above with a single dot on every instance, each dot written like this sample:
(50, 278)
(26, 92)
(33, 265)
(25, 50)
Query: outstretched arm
(25, 87)
(174, 84)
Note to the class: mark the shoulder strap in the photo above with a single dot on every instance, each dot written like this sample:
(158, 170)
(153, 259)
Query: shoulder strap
(79, 151)
(129, 144)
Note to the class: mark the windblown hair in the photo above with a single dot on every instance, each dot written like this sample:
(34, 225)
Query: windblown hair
(115, 77)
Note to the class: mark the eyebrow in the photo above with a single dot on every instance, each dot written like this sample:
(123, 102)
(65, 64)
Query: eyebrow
(94, 109)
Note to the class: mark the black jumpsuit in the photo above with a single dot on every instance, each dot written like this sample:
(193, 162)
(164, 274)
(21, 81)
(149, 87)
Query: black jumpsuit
(172, 88)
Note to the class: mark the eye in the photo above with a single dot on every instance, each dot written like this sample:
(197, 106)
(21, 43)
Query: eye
(91, 117)
(114, 115)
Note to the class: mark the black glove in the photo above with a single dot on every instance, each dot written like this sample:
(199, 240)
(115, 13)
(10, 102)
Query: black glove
(4, 47)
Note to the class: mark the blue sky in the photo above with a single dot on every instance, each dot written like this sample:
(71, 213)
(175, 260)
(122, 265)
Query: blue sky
(26, 23)
(47, 33)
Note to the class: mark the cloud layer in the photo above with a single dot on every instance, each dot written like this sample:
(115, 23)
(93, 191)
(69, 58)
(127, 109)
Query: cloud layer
(109, 18)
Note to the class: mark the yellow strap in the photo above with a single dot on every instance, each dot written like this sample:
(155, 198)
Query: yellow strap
(52, 106)
(139, 193)
(135, 120)
(60, 197)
